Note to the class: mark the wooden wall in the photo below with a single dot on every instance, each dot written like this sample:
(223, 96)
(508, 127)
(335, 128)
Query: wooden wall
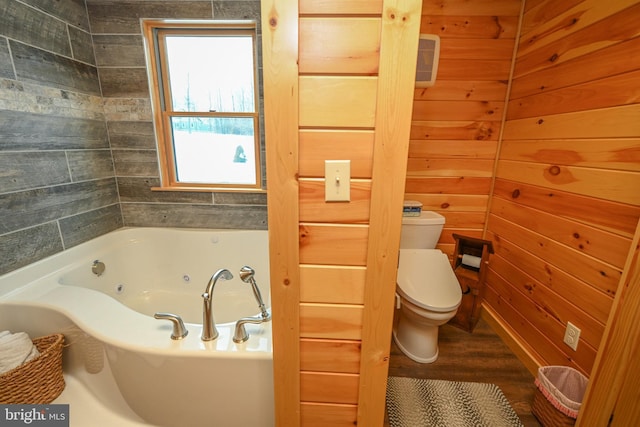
(567, 185)
(339, 75)
(456, 123)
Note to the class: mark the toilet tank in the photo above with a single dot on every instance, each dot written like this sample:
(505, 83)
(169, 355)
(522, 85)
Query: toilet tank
(421, 232)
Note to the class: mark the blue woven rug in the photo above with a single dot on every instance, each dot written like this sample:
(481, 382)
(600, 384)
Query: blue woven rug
(413, 402)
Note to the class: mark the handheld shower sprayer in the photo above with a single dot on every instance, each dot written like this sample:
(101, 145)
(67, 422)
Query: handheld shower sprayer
(246, 274)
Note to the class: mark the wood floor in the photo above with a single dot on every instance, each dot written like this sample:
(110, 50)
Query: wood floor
(480, 356)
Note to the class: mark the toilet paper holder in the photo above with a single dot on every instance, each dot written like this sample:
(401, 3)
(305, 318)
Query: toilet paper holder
(472, 253)
(470, 261)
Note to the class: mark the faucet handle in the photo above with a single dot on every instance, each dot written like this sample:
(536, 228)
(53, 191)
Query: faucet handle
(179, 330)
(241, 335)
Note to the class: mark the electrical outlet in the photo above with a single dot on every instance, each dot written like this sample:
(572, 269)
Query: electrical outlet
(572, 335)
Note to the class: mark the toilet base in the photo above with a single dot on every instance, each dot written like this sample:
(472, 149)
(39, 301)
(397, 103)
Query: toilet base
(412, 356)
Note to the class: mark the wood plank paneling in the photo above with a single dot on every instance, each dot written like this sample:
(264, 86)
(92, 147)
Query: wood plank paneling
(601, 63)
(592, 241)
(452, 202)
(615, 217)
(614, 122)
(475, 8)
(337, 284)
(324, 414)
(322, 47)
(448, 185)
(314, 208)
(595, 39)
(340, 7)
(445, 167)
(580, 16)
(336, 101)
(434, 149)
(451, 90)
(594, 272)
(455, 129)
(470, 27)
(586, 298)
(608, 92)
(618, 186)
(354, 145)
(618, 154)
(565, 202)
(329, 387)
(331, 321)
(455, 110)
(545, 300)
(333, 244)
(324, 355)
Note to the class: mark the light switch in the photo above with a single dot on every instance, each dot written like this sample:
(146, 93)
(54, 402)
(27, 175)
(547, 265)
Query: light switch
(337, 177)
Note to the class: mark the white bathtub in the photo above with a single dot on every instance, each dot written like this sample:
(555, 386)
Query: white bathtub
(166, 382)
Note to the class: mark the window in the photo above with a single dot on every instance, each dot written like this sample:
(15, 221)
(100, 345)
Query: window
(205, 103)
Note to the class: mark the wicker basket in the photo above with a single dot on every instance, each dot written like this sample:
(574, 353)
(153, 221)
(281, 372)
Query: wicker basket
(40, 380)
(547, 414)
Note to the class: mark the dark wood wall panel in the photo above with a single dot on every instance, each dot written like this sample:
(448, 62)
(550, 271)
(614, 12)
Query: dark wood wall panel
(44, 68)
(194, 216)
(50, 203)
(41, 30)
(29, 245)
(24, 170)
(29, 131)
(75, 229)
(73, 12)
(57, 187)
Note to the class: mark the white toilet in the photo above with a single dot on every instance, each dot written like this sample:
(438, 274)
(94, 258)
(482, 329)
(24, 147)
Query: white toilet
(428, 292)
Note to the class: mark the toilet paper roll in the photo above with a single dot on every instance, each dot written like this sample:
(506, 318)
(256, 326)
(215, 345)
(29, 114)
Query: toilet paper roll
(471, 261)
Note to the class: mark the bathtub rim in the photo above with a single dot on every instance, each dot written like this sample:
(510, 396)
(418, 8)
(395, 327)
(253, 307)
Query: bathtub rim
(36, 285)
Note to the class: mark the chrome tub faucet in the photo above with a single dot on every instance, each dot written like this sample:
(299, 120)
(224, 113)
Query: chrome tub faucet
(209, 331)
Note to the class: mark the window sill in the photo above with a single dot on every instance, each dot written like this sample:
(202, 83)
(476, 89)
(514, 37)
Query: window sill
(211, 189)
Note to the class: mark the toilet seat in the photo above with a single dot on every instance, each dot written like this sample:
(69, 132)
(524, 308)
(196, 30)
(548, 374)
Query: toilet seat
(426, 279)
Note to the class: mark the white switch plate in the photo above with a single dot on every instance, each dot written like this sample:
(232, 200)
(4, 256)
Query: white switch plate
(337, 180)
(572, 335)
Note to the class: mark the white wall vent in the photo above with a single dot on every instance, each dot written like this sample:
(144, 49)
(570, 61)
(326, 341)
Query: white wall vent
(428, 57)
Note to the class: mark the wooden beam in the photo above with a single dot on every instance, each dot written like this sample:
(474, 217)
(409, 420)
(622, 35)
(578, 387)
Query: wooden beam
(612, 390)
(398, 54)
(280, 54)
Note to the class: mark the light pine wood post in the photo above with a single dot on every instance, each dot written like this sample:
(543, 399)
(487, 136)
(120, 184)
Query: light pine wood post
(612, 394)
(396, 83)
(280, 76)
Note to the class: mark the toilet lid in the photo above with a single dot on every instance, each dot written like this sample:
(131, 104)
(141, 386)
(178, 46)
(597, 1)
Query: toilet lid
(426, 279)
